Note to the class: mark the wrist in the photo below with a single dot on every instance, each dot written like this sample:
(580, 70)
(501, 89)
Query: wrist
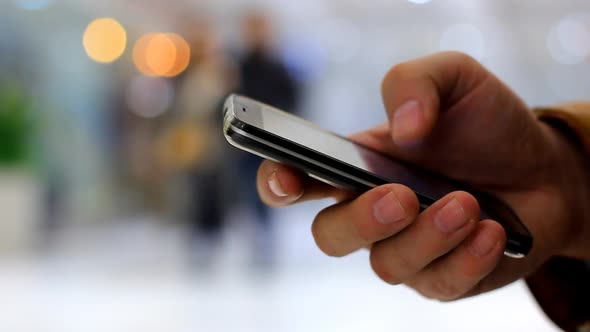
(571, 177)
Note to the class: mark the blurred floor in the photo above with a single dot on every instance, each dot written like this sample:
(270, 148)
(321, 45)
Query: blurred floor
(133, 276)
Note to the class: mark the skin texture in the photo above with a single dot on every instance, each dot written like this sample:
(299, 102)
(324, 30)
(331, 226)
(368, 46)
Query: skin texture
(448, 114)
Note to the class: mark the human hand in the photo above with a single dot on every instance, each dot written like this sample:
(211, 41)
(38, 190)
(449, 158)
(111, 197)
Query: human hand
(450, 115)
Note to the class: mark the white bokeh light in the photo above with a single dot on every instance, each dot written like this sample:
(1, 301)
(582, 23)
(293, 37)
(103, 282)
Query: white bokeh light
(572, 34)
(463, 37)
(569, 40)
(149, 97)
(419, 2)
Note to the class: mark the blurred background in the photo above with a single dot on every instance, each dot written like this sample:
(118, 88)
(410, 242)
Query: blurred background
(122, 208)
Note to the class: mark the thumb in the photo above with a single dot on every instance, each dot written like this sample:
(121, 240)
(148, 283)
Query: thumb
(414, 92)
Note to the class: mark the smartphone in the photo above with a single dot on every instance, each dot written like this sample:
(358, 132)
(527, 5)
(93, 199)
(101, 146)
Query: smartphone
(276, 135)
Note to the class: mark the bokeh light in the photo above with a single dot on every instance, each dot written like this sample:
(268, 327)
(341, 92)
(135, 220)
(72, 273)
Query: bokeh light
(161, 54)
(569, 40)
(149, 97)
(104, 40)
(419, 2)
(183, 55)
(463, 37)
(183, 145)
(139, 51)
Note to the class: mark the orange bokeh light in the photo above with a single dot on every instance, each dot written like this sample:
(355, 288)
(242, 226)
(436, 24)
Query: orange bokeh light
(139, 51)
(183, 55)
(161, 54)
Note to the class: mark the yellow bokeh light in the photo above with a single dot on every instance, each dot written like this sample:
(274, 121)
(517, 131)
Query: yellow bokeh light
(161, 54)
(104, 40)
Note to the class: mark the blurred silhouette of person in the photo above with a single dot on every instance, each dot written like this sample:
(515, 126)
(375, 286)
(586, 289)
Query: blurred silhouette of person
(193, 145)
(264, 77)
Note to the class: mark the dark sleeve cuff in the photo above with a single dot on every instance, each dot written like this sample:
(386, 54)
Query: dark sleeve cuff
(573, 120)
(562, 288)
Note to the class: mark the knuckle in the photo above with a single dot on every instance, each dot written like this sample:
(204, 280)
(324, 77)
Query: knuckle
(381, 268)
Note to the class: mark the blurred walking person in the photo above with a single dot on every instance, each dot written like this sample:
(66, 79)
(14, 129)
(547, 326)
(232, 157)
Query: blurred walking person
(193, 143)
(263, 76)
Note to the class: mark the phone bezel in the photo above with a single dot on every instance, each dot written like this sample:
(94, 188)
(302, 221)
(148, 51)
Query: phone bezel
(340, 174)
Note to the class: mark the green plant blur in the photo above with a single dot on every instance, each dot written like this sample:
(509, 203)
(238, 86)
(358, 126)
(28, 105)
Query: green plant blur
(15, 126)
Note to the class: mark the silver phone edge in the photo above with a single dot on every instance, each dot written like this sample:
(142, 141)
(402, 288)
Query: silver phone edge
(302, 157)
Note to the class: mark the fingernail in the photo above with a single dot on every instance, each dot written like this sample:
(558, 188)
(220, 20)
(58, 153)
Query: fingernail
(451, 217)
(275, 185)
(388, 209)
(482, 244)
(407, 119)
